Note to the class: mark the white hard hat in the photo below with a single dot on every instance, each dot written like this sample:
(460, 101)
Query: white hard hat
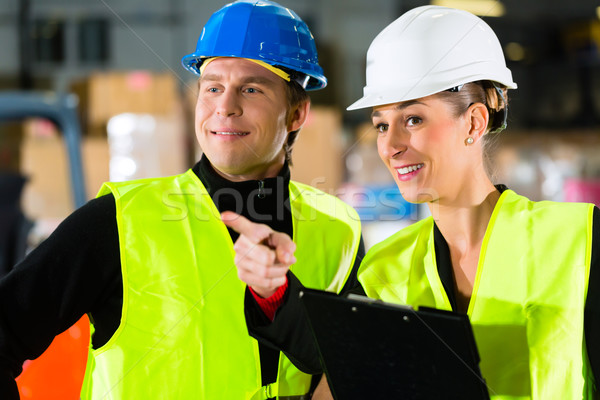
(430, 49)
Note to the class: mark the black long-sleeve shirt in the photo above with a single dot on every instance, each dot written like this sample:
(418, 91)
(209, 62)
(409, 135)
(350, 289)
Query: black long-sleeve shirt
(77, 270)
(294, 338)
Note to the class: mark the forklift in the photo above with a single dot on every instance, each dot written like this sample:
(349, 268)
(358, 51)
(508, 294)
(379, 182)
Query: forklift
(58, 373)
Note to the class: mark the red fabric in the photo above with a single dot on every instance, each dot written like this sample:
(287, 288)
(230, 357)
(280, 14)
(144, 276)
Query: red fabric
(270, 304)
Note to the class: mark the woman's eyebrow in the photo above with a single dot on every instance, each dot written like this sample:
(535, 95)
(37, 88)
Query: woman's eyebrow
(399, 107)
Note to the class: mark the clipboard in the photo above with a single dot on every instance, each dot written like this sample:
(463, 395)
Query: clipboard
(370, 349)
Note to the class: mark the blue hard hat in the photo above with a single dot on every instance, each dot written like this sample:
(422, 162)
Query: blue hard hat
(260, 30)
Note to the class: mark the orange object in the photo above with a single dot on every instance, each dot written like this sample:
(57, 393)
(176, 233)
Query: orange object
(58, 373)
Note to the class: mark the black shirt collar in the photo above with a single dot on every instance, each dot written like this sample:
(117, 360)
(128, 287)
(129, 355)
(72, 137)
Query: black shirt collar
(214, 182)
(265, 201)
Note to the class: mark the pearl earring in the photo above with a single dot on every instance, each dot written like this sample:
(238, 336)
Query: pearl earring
(469, 140)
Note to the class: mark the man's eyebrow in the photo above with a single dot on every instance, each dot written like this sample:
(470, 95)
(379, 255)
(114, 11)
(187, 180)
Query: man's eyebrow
(210, 77)
(399, 107)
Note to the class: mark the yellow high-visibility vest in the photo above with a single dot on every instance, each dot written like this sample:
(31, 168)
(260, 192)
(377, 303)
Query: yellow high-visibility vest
(183, 332)
(528, 298)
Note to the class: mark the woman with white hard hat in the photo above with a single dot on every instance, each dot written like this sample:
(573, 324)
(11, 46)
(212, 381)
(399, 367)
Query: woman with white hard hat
(526, 273)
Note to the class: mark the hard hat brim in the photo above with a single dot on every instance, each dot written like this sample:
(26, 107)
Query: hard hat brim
(413, 90)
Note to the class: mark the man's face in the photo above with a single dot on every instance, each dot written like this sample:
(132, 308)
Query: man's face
(242, 119)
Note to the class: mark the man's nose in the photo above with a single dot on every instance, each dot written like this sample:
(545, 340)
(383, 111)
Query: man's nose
(228, 104)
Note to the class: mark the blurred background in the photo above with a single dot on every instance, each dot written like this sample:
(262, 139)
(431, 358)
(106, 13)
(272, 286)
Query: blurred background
(115, 66)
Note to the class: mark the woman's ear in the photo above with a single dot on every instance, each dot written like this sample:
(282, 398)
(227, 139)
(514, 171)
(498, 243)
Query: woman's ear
(479, 117)
(297, 116)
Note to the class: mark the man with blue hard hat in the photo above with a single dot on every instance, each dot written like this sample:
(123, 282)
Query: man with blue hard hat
(153, 262)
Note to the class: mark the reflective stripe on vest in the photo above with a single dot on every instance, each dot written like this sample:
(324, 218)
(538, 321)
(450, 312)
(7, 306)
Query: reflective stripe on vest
(183, 332)
(528, 297)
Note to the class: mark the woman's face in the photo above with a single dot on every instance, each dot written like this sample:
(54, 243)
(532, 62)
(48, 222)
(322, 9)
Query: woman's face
(422, 143)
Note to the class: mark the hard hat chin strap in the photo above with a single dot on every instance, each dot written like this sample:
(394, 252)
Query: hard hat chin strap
(455, 88)
(504, 110)
(303, 81)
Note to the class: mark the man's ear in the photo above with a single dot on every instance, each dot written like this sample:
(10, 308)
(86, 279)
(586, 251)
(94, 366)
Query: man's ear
(297, 116)
(479, 117)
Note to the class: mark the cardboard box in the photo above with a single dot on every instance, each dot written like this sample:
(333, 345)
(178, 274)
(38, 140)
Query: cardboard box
(48, 192)
(363, 163)
(104, 95)
(144, 145)
(317, 155)
(538, 164)
(47, 197)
